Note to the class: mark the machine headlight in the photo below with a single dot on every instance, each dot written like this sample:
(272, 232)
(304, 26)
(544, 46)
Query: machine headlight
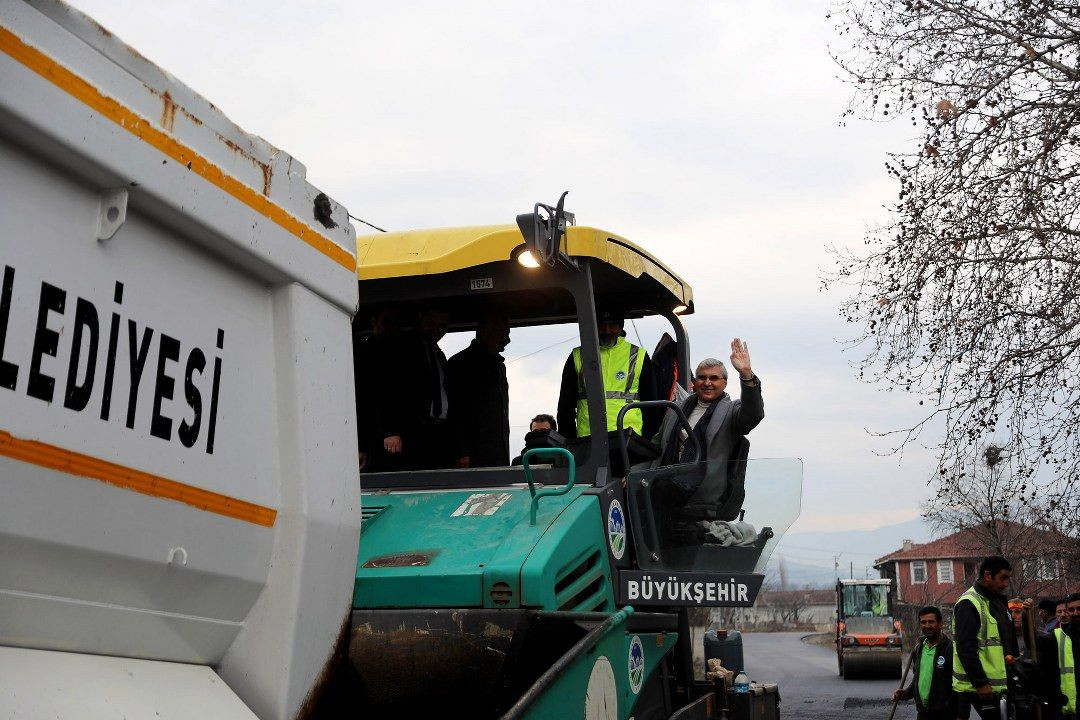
(527, 259)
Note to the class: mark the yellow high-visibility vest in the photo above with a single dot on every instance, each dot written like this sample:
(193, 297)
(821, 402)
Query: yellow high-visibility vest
(1068, 671)
(620, 367)
(991, 652)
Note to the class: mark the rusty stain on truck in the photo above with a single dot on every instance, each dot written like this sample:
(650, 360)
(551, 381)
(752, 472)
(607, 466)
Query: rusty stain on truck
(109, 108)
(168, 112)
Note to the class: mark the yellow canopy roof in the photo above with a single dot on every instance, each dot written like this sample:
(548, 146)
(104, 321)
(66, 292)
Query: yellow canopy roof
(430, 252)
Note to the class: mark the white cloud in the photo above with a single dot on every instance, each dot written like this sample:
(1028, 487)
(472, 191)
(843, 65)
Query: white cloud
(707, 132)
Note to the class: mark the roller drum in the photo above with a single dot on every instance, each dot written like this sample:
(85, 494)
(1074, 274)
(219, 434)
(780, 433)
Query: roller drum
(872, 664)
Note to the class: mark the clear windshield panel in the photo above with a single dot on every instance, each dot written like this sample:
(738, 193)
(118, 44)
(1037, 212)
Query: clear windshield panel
(865, 601)
(773, 499)
(736, 534)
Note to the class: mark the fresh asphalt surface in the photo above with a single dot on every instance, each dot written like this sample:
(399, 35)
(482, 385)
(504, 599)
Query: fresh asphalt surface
(810, 687)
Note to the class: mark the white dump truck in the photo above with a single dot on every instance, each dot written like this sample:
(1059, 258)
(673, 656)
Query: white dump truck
(179, 494)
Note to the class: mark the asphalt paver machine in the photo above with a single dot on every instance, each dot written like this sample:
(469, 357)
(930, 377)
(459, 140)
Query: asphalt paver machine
(868, 638)
(548, 590)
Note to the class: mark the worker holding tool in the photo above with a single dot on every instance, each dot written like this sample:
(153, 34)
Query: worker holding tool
(1035, 691)
(982, 637)
(932, 660)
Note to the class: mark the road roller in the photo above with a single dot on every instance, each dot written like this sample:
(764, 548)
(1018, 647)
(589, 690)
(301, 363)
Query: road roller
(868, 639)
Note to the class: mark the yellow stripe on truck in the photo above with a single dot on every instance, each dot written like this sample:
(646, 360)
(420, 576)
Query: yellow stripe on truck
(73, 463)
(141, 128)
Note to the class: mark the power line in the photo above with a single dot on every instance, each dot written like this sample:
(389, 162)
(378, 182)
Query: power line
(634, 325)
(366, 223)
(546, 347)
(827, 550)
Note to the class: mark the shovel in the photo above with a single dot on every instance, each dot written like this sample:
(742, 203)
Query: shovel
(903, 681)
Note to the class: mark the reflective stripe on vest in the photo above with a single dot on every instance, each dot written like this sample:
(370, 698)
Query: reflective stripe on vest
(991, 653)
(1068, 671)
(624, 359)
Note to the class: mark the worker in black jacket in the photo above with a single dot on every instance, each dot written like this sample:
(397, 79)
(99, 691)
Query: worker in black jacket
(377, 352)
(931, 662)
(982, 638)
(407, 376)
(480, 395)
(1046, 683)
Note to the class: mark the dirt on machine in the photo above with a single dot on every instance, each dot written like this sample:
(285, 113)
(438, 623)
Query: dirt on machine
(869, 643)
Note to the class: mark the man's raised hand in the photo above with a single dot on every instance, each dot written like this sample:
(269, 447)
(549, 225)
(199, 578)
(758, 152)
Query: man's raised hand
(740, 359)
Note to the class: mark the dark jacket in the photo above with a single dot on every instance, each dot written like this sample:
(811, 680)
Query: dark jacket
(480, 406)
(730, 421)
(566, 414)
(941, 700)
(380, 411)
(966, 640)
(398, 393)
(1049, 669)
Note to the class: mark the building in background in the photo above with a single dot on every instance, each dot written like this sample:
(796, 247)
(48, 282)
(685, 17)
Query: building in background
(937, 572)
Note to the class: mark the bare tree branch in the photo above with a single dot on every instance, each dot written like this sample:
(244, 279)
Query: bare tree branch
(968, 297)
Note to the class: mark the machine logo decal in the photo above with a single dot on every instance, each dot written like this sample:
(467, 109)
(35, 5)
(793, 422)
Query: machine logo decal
(481, 504)
(635, 664)
(616, 529)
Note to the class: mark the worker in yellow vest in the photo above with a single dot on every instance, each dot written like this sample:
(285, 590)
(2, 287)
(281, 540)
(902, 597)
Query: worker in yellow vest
(982, 636)
(1068, 639)
(1067, 667)
(628, 376)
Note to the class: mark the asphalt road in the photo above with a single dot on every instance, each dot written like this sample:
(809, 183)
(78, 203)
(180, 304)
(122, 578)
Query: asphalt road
(810, 687)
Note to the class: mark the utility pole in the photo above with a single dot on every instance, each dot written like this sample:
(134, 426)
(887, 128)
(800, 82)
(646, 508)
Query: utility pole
(851, 569)
(836, 564)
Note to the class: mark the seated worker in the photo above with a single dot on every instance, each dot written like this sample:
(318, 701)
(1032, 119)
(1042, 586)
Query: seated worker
(628, 376)
(873, 603)
(543, 421)
(718, 423)
(540, 426)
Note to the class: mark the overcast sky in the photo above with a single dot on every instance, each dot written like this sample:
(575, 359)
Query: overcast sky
(708, 132)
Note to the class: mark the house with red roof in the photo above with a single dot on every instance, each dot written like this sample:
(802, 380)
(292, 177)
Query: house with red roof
(938, 572)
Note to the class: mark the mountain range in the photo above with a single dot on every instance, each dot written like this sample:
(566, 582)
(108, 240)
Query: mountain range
(815, 559)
